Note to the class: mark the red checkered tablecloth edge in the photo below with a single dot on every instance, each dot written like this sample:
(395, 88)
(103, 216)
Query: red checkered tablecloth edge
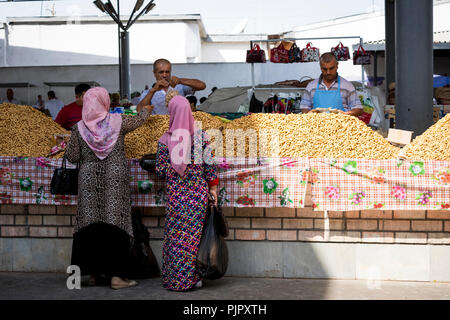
(336, 184)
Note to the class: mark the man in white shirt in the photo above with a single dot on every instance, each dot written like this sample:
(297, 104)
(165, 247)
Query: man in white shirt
(156, 96)
(53, 105)
(10, 97)
(39, 103)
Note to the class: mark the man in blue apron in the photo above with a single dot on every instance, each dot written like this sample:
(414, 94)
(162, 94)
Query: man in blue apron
(331, 91)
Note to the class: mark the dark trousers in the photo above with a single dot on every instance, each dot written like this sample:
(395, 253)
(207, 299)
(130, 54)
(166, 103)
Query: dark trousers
(101, 248)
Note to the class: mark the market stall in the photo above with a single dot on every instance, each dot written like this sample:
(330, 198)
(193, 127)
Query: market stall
(336, 187)
(348, 165)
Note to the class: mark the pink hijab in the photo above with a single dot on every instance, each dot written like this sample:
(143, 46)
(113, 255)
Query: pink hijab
(180, 133)
(99, 128)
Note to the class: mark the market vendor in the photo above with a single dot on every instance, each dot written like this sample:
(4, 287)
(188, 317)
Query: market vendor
(156, 96)
(331, 90)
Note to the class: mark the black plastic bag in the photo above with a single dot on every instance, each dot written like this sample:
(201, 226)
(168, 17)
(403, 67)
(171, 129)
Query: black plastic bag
(256, 106)
(212, 258)
(143, 263)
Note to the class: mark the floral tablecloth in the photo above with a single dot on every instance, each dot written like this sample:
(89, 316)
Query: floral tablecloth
(336, 184)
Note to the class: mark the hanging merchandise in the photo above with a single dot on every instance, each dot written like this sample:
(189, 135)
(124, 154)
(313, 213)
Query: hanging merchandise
(256, 106)
(310, 53)
(269, 105)
(295, 55)
(256, 55)
(296, 102)
(279, 54)
(340, 52)
(284, 104)
(361, 57)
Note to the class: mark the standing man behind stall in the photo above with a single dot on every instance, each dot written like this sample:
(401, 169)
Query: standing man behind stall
(156, 96)
(10, 97)
(53, 105)
(331, 90)
(71, 114)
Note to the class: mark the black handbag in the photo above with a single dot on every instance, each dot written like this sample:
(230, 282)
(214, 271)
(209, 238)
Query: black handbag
(148, 162)
(64, 180)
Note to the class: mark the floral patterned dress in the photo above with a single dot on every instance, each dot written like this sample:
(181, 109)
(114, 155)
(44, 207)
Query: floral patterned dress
(185, 214)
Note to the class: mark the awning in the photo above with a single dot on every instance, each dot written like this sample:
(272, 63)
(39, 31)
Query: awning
(16, 85)
(72, 84)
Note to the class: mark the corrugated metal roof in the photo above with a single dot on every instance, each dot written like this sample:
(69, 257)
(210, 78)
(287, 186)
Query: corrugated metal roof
(441, 40)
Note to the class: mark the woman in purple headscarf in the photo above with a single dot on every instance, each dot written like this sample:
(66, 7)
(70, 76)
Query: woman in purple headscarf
(190, 180)
(103, 231)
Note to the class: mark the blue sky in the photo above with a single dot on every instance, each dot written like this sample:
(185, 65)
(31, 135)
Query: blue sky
(225, 16)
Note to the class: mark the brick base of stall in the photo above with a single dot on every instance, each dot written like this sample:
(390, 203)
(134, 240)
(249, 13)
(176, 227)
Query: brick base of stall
(257, 224)
(262, 241)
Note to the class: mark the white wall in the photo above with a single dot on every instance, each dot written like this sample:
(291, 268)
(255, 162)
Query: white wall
(213, 74)
(96, 43)
(224, 51)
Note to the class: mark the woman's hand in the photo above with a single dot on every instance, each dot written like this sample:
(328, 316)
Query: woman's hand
(213, 193)
(149, 108)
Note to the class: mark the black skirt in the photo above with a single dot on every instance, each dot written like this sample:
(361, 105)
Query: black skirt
(101, 249)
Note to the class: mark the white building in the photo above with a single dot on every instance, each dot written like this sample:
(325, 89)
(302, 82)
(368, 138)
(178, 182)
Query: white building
(59, 49)
(36, 50)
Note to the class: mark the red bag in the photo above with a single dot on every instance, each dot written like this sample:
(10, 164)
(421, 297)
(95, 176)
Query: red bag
(310, 53)
(361, 57)
(340, 52)
(279, 54)
(256, 55)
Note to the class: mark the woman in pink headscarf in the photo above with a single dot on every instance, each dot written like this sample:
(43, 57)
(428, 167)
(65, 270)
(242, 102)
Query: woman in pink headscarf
(189, 180)
(103, 231)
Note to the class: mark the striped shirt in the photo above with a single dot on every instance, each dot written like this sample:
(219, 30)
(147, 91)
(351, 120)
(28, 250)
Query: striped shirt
(350, 99)
(159, 98)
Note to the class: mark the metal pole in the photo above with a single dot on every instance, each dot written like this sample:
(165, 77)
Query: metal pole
(375, 68)
(125, 43)
(414, 65)
(362, 66)
(389, 12)
(120, 51)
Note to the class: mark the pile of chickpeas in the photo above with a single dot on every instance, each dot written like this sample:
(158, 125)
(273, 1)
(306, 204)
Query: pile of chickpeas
(26, 132)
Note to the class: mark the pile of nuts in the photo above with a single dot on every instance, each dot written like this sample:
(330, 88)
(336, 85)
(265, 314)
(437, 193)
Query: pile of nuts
(144, 140)
(26, 132)
(433, 144)
(316, 135)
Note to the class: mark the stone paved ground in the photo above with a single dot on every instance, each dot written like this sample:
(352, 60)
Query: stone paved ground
(50, 286)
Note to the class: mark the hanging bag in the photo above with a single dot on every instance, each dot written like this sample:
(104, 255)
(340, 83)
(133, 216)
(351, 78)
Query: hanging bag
(256, 55)
(143, 263)
(310, 53)
(279, 54)
(295, 55)
(148, 162)
(340, 52)
(361, 57)
(64, 180)
(256, 106)
(212, 257)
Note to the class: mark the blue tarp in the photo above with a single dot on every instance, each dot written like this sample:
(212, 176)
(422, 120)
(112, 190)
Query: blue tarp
(440, 81)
